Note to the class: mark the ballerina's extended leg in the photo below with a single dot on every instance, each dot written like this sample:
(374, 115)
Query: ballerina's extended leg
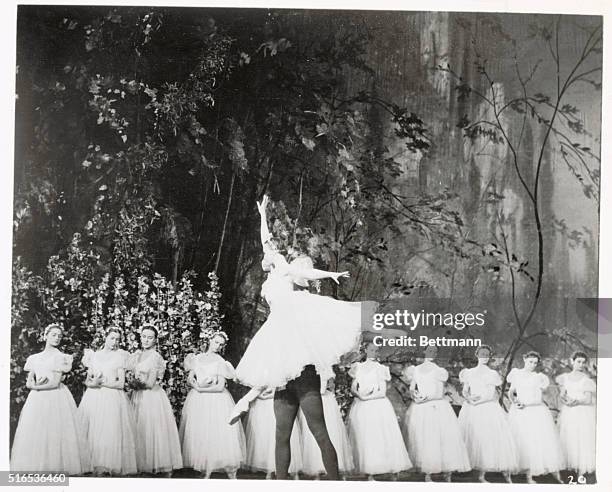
(243, 405)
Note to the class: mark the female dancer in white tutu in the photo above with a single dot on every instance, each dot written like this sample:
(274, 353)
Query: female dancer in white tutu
(304, 335)
(311, 458)
(106, 409)
(209, 443)
(260, 438)
(49, 435)
(374, 432)
(484, 423)
(158, 448)
(532, 424)
(578, 416)
(433, 433)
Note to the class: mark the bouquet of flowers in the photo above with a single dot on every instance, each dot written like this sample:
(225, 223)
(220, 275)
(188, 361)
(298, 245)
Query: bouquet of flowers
(132, 383)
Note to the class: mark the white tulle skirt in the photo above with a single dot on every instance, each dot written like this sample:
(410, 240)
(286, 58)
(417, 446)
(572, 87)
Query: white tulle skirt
(209, 443)
(261, 439)
(302, 329)
(488, 438)
(109, 428)
(158, 448)
(376, 438)
(578, 437)
(537, 439)
(434, 438)
(312, 461)
(50, 435)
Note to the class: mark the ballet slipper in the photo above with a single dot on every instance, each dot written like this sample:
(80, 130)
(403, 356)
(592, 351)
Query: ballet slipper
(427, 477)
(269, 476)
(508, 477)
(481, 478)
(447, 477)
(241, 408)
(530, 479)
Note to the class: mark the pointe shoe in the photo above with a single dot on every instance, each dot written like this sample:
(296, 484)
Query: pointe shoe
(241, 408)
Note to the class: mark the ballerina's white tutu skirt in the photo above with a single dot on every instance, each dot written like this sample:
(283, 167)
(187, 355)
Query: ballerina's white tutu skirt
(50, 435)
(434, 438)
(209, 442)
(376, 438)
(488, 438)
(312, 461)
(578, 437)
(302, 329)
(261, 439)
(536, 438)
(157, 442)
(109, 429)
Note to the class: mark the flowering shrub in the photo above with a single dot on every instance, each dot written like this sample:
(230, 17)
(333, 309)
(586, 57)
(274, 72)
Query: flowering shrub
(79, 293)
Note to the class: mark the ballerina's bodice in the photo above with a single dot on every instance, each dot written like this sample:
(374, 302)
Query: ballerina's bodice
(45, 364)
(481, 380)
(370, 375)
(577, 388)
(209, 365)
(429, 379)
(106, 363)
(277, 285)
(528, 385)
(144, 364)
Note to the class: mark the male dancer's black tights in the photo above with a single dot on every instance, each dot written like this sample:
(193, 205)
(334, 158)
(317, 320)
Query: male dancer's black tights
(305, 392)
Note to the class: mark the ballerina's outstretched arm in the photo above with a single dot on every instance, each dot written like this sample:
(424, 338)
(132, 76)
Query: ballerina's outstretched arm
(314, 274)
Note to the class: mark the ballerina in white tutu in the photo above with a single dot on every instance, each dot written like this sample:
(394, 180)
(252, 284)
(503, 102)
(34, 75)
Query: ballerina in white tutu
(209, 442)
(302, 328)
(578, 416)
(312, 462)
(158, 449)
(373, 428)
(260, 431)
(106, 409)
(431, 427)
(49, 435)
(484, 423)
(532, 423)
(304, 335)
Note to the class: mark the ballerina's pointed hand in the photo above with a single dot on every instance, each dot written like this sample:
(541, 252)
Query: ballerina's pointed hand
(340, 275)
(261, 206)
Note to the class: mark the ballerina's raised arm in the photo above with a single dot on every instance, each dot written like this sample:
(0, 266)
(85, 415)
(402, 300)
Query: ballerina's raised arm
(264, 231)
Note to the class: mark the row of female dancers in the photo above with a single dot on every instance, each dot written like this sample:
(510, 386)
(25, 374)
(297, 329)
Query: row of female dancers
(110, 433)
